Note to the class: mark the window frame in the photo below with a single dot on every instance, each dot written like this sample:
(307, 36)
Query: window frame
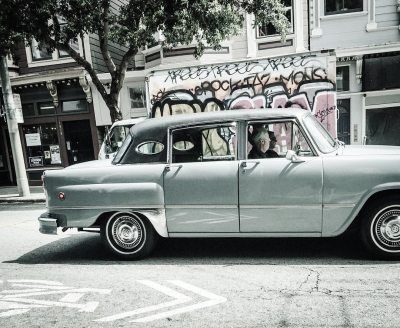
(172, 129)
(55, 57)
(148, 142)
(277, 36)
(340, 12)
(348, 81)
(274, 121)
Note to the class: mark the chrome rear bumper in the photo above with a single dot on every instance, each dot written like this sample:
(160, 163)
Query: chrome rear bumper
(48, 225)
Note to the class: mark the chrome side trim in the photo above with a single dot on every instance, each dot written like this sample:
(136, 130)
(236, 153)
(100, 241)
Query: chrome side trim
(106, 207)
(280, 206)
(244, 234)
(339, 205)
(201, 206)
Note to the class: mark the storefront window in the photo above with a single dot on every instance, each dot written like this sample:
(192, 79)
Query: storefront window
(42, 146)
(343, 123)
(28, 110)
(46, 108)
(383, 126)
(137, 96)
(74, 106)
(342, 78)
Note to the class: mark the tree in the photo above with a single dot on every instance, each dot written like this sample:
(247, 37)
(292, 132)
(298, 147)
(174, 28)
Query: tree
(133, 24)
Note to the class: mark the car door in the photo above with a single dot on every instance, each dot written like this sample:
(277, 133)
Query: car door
(200, 183)
(277, 195)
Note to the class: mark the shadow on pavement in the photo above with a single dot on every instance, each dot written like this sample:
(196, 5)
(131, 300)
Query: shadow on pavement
(86, 248)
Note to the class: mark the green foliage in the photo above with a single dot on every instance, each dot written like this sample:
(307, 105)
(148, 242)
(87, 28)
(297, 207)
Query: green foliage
(131, 23)
(203, 22)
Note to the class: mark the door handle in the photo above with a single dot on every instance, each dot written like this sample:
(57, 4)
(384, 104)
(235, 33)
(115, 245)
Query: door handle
(244, 165)
(169, 167)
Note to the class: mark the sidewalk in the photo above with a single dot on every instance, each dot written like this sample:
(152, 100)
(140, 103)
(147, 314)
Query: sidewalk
(10, 195)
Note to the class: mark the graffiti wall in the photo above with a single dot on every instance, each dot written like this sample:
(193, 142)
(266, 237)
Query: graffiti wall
(300, 81)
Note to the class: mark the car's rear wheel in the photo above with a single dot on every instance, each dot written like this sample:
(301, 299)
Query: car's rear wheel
(128, 235)
(381, 228)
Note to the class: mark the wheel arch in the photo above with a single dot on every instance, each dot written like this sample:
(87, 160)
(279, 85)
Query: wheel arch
(155, 217)
(371, 200)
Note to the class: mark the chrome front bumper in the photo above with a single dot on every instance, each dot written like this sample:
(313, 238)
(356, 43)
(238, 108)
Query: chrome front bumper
(48, 225)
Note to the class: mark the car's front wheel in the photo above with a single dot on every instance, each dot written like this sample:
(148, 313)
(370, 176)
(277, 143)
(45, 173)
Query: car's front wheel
(381, 228)
(128, 235)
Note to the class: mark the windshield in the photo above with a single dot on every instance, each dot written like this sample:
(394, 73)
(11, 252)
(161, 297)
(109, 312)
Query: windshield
(320, 135)
(123, 149)
(116, 137)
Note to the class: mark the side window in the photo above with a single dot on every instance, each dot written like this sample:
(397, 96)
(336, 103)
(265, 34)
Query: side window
(273, 140)
(150, 148)
(204, 143)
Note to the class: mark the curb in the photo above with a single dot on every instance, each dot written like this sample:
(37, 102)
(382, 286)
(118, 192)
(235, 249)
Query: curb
(16, 200)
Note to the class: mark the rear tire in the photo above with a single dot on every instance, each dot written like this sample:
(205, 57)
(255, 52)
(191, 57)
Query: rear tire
(380, 231)
(128, 236)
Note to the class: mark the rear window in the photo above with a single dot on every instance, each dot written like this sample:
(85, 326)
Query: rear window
(150, 148)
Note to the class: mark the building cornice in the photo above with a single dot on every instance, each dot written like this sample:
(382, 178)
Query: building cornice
(41, 77)
(366, 50)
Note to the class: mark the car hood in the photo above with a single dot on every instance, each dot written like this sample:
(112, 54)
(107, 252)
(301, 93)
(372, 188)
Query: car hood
(91, 164)
(369, 150)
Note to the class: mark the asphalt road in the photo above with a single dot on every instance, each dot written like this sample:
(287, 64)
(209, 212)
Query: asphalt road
(70, 281)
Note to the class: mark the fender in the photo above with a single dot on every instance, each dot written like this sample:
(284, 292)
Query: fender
(83, 204)
(330, 229)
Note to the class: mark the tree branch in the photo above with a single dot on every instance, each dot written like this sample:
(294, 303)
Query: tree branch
(104, 31)
(82, 62)
(118, 80)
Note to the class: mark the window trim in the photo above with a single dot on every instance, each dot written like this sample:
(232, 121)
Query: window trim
(147, 142)
(349, 68)
(272, 121)
(342, 12)
(277, 37)
(171, 130)
(55, 60)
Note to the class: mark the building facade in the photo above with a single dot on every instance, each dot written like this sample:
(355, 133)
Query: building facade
(366, 37)
(65, 117)
(251, 44)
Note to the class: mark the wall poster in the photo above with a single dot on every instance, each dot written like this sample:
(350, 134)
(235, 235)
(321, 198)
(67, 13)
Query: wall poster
(33, 139)
(55, 154)
(36, 161)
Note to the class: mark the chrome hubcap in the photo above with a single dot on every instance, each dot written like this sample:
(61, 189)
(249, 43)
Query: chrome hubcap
(387, 228)
(127, 232)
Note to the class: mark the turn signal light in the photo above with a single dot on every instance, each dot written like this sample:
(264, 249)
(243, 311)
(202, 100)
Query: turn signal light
(61, 196)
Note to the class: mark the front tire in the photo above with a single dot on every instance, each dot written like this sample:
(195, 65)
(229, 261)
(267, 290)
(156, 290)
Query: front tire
(381, 229)
(128, 235)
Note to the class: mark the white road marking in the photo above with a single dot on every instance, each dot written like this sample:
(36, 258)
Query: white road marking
(72, 297)
(69, 290)
(86, 307)
(179, 299)
(13, 312)
(42, 282)
(18, 301)
(213, 300)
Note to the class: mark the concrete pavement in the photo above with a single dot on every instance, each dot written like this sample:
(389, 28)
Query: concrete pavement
(9, 194)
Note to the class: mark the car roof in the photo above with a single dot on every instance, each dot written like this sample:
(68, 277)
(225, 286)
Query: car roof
(129, 121)
(212, 117)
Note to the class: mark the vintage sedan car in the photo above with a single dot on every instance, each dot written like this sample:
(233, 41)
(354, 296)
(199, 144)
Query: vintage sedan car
(194, 176)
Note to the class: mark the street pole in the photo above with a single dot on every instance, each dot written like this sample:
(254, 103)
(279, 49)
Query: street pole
(22, 180)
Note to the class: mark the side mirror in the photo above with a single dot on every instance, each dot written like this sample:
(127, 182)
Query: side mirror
(291, 156)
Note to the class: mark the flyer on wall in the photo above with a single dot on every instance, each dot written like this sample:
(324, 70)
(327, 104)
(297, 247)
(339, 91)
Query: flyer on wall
(55, 154)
